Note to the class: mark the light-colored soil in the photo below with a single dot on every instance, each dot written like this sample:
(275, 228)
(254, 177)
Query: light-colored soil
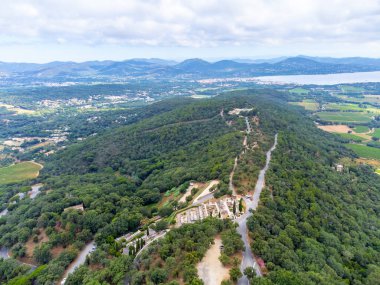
(56, 251)
(42, 144)
(16, 109)
(31, 245)
(237, 111)
(336, 129)
(207, 190)
(188, 192)
(372, 162)
(210, 269)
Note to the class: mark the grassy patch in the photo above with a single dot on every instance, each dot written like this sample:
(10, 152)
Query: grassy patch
(351, 137)
(348, 117)
(376, 134)
(365, 151)
(309, 105)
(344, 107)
(378, 171)
(17, 110)
(351, 89)
(19, 172)
(352, 107)
(361, 129)
(299, 91)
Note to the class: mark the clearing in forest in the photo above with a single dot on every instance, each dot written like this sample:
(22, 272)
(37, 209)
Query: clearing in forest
(19, 172)
(210, 269)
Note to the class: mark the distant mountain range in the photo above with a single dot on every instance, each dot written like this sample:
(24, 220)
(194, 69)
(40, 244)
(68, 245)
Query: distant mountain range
(190, 68)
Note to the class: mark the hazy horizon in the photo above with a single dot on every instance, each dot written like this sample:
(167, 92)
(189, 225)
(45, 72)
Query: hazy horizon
(178, 60)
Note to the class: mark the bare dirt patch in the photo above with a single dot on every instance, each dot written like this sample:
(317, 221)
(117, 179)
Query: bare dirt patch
(55, 251)
(210, 269)
(188, 191)
(336, 129)
(237, 111)
(371, 162)
(30, 245)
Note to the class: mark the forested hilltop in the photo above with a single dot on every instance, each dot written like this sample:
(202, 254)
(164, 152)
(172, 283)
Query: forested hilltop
(314, 226)
(119, 178)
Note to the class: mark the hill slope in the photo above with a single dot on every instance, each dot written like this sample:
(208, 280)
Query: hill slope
(317, 227)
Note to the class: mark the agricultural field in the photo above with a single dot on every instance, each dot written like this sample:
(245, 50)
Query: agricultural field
(309, 105)
(376, 134)
(335, 128)
(348, 117)
(365, 151)
(351, 89)
(366, 99)
(352, 107)
(351, 137)
(361, 129)
(19, 172)
(299, 91)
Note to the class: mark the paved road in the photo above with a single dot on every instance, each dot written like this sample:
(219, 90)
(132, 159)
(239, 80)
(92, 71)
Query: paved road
(201, 198)
(3, 212)
(35, 190)
(150, 241)
(81, 258)
(248, 258)
(4, 253)
(204, 199)
(248, 125)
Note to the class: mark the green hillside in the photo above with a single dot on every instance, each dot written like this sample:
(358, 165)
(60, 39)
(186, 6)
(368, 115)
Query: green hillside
(314, 226)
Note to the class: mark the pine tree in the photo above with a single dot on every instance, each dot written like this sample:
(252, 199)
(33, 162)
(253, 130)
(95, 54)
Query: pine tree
(234, 208)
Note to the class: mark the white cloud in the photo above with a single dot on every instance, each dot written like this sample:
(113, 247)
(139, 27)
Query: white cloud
(190, 23)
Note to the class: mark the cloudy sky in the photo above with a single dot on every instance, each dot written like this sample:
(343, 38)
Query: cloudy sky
(46, 30)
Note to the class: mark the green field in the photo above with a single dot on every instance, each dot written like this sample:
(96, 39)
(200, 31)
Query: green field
(19, 172)
(351, 89)
(344, 107)
(309, 105)
(345, 117)
(365, 151)
(351, 137)
(352, 107)
(378, 171)
(361, 129)
(376, 134)
(299, 91)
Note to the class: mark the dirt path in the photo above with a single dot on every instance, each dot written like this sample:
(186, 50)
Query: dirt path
(231, 185)
(187, 194)
(210, 269)
(197, 185)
